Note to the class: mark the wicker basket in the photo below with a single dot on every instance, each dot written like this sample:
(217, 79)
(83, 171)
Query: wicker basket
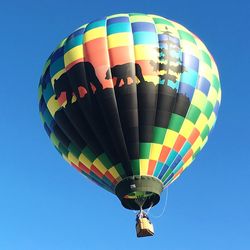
(144, 228)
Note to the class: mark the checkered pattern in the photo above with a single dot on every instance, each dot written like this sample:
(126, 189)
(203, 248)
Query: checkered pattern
(115, 40)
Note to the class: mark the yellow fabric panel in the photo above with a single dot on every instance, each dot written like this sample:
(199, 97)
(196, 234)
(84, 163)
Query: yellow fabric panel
(117, 15)
(73, 159)
(94, 34)
(204, 142)
(170, 138)
(211, 120)
(219, 96)
(143, 166)
(73, 55)
(201, 122)
(179, 26)
(155, 151)
(187, 163)
(199, 99)
(205, 71)
(212, 95)
(73, 99)
(114, 173)
(56, 76)
(100, 166)
(157, 16)
(120, 39)
(196, 145)
(215, 69)
(144, 52)
(85, 160)
(190, 48)
(201, 45)
(53, 105)
(140, 18)
(186, 128)
(151, 78)
(54, 139)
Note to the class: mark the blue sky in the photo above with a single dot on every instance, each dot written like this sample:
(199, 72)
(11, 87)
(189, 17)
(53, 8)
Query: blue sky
(43, 200)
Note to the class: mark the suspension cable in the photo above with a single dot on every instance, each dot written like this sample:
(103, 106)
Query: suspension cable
(164, 208)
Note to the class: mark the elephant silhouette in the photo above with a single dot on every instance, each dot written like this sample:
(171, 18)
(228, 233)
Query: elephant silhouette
(124, 71)
(80, 75)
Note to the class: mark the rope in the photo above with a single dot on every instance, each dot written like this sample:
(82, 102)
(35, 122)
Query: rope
(140, 201)
(164, 208)
(150, 208)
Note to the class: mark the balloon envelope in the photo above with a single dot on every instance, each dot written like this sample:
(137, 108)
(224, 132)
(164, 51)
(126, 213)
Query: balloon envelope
(129, 100)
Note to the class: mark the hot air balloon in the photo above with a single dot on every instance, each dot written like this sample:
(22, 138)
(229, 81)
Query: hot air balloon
(129, 101)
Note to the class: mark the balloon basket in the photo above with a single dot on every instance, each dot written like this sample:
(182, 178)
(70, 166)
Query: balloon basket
(144, 228)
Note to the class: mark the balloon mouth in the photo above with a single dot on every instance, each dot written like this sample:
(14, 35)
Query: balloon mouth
(136, 192)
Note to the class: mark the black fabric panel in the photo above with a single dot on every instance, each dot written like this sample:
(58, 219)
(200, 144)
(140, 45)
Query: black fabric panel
(77, 79)
(182, 105)
(108, 105)
(82, 127)
(61, 136)
(126, 97)
(165, 105)
(147, 104)
(93, 115)
(88, 115)
(68, 129)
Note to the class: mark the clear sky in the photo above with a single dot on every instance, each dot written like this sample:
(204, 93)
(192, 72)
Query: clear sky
(47, 205)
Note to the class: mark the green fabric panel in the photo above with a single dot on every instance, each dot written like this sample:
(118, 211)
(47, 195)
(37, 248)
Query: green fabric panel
(206, 58)
(144, 150)
(54, 139)
(106, 180)
(135, 167)
(74, 150)
(208, 109)
(193, 113)
(120, 169)
(216, 83)
(136, 14)
(63, 149)
(46, 66)
(105, 160)
(176, 122)
(186, 36)
(42, 118)
(159, 135)
(158, 20)
(205, 132)
(196, 152)
(166, 175)
(89, 154)
(39, 92)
